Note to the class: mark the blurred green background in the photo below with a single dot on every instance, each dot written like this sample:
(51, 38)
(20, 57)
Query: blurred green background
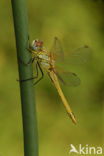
(75, 22)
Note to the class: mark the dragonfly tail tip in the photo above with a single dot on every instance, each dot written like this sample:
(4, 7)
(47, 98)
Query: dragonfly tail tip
(73, 118)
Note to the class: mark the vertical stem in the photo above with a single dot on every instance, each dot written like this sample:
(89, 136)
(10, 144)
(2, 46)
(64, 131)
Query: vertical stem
(26, 88)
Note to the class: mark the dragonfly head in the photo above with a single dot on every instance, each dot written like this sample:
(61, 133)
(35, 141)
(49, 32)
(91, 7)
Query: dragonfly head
(37, 45)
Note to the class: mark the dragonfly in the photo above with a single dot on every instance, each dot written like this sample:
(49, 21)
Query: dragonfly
(48, 60)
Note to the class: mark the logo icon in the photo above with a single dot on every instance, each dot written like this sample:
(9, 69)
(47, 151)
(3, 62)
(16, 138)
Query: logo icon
(73, 149)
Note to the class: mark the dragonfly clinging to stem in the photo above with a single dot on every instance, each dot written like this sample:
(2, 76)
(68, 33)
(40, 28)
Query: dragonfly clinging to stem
(47, 60)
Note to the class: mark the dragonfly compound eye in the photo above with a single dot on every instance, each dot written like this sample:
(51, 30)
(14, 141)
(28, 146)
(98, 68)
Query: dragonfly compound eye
(36, 44)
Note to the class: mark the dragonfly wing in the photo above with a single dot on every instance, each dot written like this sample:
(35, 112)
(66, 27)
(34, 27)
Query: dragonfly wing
(57, 50)
(69, 78)
(79, 56)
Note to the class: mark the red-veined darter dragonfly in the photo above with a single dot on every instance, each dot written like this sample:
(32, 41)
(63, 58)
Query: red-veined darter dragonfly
(47, 61)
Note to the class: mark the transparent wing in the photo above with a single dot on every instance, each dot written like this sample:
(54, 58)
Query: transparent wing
(57, 50)
(68, 78)
(79, 56)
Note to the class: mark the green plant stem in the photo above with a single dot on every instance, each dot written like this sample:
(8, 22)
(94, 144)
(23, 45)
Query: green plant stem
(26, 88)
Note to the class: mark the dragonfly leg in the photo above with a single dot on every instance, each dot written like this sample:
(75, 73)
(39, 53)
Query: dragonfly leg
(31, 77)
(41, 75)
(28, 47)
(29, 62)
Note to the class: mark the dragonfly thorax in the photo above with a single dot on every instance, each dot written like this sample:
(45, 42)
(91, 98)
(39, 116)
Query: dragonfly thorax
(44, 57)
(45, 60)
